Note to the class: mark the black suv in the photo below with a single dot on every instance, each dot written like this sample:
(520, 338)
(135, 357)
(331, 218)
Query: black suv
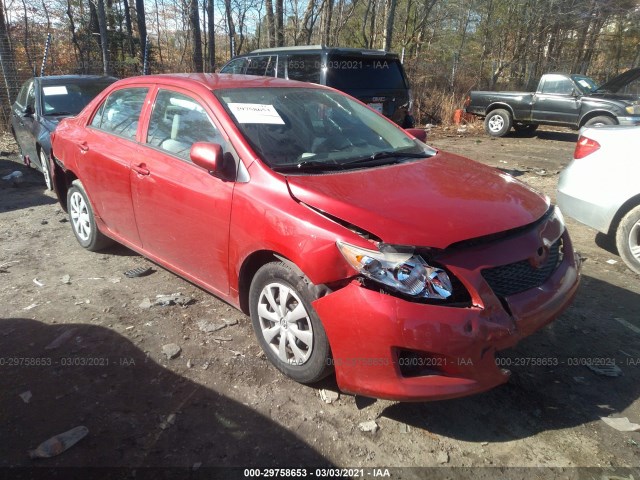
(374, 77)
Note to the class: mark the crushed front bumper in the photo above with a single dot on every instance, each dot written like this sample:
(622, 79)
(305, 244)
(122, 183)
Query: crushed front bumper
(375, 336)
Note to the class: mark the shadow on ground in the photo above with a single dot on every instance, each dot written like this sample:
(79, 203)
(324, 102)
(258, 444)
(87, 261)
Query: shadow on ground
(138, 413)
(25, 192)
(549, 397)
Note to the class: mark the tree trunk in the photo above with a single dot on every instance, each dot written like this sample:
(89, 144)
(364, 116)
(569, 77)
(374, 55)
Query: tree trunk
(74, 38)
(231, 28)
(326, 29)
(104, 37)
(388, 31)
(128, 26)
(279, 23)
(271, 25)
(142, 27)
(194, 20)
(7, 61)
(211, 33)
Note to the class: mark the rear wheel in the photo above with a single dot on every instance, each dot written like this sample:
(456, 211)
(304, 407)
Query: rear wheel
(288, 328)
(46, 170)
(83, 220)
(498, 123)
(628, 239)
(599, 121)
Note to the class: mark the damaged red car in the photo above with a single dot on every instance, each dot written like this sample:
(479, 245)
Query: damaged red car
(354, 247)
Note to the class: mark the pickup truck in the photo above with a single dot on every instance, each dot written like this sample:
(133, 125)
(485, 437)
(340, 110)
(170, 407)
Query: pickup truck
(563, 100)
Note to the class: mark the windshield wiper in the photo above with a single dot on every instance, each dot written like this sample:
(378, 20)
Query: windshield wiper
(306, 165)
(386, 155)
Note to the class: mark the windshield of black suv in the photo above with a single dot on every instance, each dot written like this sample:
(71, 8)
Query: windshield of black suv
(303, 129)
(69, 98)
(584, 83)
(355, 72)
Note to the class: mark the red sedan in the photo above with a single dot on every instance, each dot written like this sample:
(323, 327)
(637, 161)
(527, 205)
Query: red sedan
(355, 247)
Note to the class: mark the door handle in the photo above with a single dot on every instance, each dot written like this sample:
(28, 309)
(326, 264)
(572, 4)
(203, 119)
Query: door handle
(141, 169)
(83, 146)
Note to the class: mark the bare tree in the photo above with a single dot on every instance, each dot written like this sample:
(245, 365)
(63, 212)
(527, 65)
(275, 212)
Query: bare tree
(104, 36)
(194, 20)
(142, 27)
(211, 33)
(271, 26)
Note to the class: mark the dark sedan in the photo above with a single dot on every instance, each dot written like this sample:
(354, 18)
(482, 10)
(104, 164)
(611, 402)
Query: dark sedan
(40, 105)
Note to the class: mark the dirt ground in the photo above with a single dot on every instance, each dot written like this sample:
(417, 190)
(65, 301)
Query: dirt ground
(80, 346)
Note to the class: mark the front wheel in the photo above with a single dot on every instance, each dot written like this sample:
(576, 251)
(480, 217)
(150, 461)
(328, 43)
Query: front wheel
(46, 170)
(600, 121)
(628, 239)
(288, 328)
(83, 221)
(498, 123)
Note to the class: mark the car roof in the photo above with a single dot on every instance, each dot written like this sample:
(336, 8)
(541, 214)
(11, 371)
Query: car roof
(216, 81)
(323, 49)
(73, 78)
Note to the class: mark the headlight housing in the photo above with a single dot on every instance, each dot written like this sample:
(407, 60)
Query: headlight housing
(399, 269)
(633, 109)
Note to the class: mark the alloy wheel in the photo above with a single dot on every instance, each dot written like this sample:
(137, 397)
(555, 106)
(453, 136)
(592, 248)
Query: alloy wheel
(79, 213)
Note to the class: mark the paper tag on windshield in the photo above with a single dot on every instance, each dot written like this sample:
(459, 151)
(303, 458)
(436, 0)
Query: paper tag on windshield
(255, 113)
(57, 90)
(584, 83)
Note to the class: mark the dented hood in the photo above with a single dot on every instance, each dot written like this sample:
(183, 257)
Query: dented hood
(430, 203)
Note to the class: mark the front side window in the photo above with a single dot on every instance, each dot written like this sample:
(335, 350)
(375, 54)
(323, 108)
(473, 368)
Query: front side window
(119, 114)
(177, 122)
(31, 97)
(22, 96)
(304, 129)
(304, 68)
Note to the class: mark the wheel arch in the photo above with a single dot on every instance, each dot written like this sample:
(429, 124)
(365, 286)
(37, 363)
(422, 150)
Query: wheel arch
(62, 180)
(596, 113)
(499, 105)
(625, 208)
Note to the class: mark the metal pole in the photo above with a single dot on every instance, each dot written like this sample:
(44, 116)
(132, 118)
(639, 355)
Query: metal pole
(47, 45)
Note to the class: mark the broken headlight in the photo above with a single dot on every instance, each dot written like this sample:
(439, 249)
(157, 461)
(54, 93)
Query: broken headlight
(399, 269)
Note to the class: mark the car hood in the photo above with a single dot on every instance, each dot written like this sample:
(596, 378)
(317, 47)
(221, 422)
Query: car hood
(619, 82)
(430, 203)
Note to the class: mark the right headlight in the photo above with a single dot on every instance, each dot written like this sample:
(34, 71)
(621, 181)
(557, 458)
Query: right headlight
(399, 269)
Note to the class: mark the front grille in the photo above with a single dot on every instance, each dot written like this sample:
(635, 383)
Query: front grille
(521, 276)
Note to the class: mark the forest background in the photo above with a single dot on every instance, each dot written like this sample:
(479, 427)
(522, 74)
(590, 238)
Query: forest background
(448, 46)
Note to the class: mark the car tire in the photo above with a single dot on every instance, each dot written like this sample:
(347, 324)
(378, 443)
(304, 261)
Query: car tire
(498, 123)
(46, 169)
(83, 221)
(296, 344)
(599, 121)
(628, 239)
(409, 122)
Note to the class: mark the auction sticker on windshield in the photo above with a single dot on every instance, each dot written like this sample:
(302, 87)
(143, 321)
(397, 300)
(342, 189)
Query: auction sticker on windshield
(255, 113)
(55, 90)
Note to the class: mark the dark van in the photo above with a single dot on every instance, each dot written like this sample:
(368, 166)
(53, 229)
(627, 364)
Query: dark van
(374, 77)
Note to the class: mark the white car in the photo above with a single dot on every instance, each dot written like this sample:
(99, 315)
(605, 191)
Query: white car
(601, 186)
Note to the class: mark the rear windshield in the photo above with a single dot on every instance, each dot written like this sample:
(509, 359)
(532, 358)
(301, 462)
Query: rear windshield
(67, 98)
(351, 73)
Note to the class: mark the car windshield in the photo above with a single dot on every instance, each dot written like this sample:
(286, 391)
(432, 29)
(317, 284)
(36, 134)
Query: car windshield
(585, 84)
(304, 129)
(69, 98)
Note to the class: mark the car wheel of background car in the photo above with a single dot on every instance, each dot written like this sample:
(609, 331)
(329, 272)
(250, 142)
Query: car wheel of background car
(601, 120)
(288, 328)
(409, 121)
(83, 221)
(525, 128)
(498, 123)
(628, 239)
(46, 171)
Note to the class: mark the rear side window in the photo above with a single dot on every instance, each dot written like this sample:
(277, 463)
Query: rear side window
(263, 65)
(350, 73)
(557, 85)
(177, 122)
(239, 65)
(304, 68)
(120, 112)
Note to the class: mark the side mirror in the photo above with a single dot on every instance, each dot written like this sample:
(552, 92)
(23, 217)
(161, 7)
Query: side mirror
(28, 111)
(419, 133)
(208, 156)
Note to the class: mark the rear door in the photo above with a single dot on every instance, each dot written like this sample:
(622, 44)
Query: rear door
(556, 101)
(105, 157)
(182, 211)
